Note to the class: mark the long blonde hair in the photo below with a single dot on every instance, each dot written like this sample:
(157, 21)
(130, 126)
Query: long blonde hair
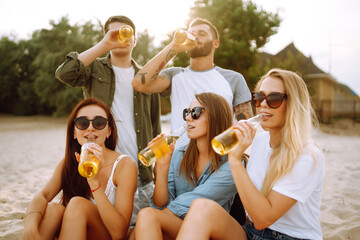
(296, 132)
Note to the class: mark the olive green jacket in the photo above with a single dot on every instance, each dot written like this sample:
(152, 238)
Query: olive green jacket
(98, 80)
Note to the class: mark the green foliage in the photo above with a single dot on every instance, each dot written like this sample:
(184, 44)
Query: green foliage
(28, 85)
(8, 74)
(27, 67)
(243, 29)
(144, 49)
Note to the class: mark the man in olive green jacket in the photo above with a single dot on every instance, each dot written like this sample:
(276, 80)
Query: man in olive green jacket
(109, 79)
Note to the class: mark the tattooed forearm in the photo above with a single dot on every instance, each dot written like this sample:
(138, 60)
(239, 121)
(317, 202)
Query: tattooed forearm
(142, 75)
(170, 55)
(161, 66)
(243, 111)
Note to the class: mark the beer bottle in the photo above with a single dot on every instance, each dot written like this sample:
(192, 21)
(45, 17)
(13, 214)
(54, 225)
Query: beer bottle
(227, 140)
(184, 38)
(156, 150)
(89, 164)
(125, 34)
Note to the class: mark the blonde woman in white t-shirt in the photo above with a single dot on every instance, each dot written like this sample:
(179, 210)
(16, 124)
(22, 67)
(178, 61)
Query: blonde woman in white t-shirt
(282, 185)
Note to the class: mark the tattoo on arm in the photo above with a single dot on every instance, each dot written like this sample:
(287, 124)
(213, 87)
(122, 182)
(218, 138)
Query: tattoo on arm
(170, 55)
(243, 111)
(161, 66)
(142, 75)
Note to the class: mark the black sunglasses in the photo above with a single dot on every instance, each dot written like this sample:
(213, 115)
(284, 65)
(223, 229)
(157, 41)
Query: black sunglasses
(83, 123)
(195, 112)
(273, 100)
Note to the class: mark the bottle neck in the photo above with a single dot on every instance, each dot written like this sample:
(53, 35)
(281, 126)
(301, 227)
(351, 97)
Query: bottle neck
(179, 132)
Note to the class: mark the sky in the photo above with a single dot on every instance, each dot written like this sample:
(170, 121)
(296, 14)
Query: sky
(326, 30)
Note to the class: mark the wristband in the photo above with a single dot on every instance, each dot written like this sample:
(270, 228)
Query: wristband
(93, 190)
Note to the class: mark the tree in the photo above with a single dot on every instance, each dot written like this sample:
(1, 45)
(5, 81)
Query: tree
(144, 49)
(27, 67)
(54, 44)
(8, 75)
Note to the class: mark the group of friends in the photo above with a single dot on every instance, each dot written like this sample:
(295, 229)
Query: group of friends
(191, 192)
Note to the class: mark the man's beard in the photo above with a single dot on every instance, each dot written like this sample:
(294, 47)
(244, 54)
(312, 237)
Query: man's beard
(203, 51)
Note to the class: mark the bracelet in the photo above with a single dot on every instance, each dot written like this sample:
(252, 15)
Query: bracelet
(33, 212)
(93, 190)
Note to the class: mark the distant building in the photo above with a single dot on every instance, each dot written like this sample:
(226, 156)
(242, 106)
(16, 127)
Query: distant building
(330, 98)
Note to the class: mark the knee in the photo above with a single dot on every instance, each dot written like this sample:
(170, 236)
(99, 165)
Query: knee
(76, 207)
(147, 214)
(203, 207)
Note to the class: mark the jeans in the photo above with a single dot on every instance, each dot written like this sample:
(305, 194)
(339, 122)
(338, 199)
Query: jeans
(253, 234)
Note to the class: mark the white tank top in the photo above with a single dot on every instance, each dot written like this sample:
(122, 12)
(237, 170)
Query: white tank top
(110, 190)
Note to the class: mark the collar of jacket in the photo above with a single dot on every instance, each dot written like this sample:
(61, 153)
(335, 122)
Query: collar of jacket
(106, 60)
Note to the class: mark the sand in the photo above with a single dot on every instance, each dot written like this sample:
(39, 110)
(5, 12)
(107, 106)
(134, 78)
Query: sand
(30, 147)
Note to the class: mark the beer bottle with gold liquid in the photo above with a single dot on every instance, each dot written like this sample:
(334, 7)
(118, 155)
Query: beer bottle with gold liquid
(227, 140)
(125, 34)
(156, 150)
(89, 164)
(184, 38)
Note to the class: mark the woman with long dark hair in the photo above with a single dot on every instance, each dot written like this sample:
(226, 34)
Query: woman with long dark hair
(190, 172)
(98, 207)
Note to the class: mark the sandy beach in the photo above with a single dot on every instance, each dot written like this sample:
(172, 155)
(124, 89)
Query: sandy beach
(30, 147)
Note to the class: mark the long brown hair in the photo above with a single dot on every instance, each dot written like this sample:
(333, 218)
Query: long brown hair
(72, 183)
(219, 115)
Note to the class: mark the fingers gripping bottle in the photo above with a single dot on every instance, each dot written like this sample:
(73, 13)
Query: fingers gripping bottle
(156, 150)
(184, 38)
(89, 164)
(227, 140)
(125, 34)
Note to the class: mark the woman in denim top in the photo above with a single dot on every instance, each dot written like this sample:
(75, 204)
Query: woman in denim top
(190, 172)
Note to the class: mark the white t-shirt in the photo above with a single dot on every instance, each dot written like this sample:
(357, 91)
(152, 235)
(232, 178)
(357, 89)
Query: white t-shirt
(186, 83)
(304, 184)
(123, 111)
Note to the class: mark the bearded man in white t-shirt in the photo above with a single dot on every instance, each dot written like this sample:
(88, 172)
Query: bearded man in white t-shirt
(181, 84)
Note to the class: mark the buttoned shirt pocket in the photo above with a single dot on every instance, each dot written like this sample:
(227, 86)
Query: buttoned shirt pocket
(101, 84)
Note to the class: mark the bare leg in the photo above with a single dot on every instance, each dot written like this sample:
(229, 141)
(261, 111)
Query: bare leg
(82, 221)
(50, 224)
(152, 223)
(208, 220)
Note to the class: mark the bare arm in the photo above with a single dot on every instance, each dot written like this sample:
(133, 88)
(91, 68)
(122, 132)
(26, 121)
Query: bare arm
(161, 191)
(264, 211)
(37, 207)
(117, 218)
(243, 111)
(110, 41)
(148, 79)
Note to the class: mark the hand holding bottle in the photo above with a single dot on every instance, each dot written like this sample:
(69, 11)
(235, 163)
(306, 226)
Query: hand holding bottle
(246, 132)
(112, 40)
(163, 162)
(227, 140)
(90, 158)
(160, 146)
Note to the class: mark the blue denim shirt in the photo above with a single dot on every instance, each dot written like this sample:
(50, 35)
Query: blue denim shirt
(218, 186)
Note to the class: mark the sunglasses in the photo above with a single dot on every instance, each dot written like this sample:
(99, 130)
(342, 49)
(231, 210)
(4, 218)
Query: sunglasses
(273, 100)
(195, 112)
(83, 123)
